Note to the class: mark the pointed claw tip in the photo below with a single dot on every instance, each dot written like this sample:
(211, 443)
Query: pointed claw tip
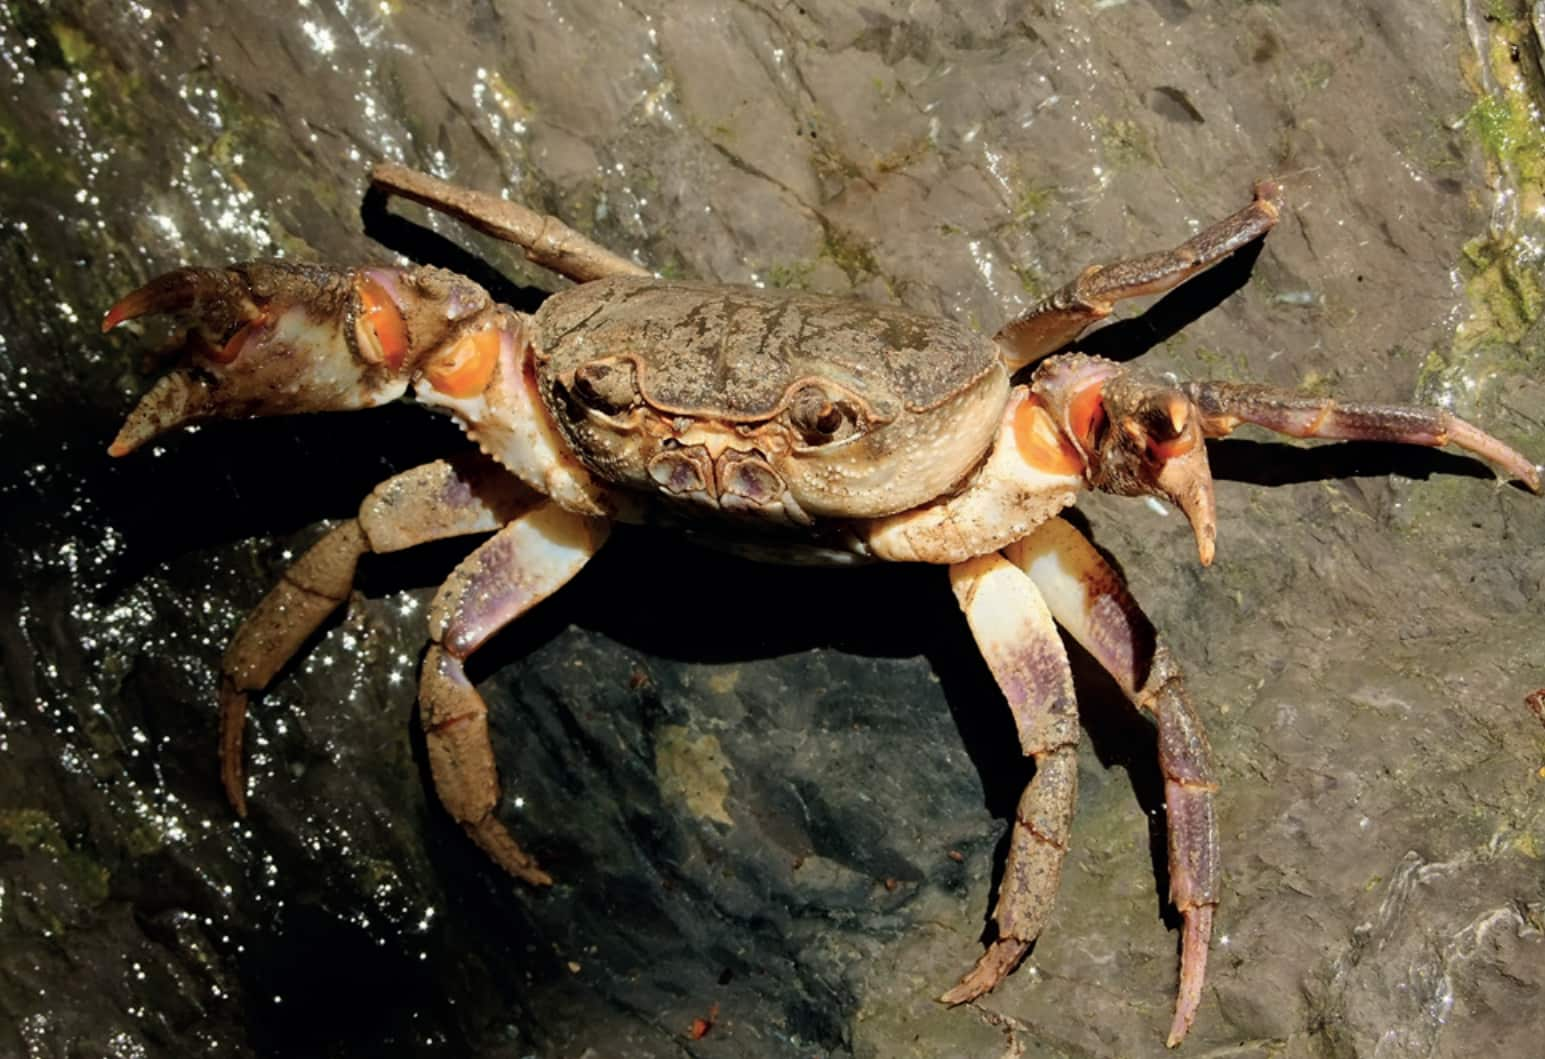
(132, 305)
(236, 795)
(1181, 1026)
(236, 791)
(969, 987)
(1179, 411)
(954, 997)
(1522, 472)
(1196, 934)
(126, 441)
(121, 310)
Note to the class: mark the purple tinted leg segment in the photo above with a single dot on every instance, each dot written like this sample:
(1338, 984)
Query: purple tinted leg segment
(521, 565)
(1020, 644)
(1089, 600)
(447, 498)
(1226, 405)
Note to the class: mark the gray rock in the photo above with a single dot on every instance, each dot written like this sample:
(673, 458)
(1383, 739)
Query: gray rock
(750, 783)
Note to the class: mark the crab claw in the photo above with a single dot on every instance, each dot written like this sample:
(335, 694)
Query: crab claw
(269, 338)
(173, 292)
(1186, 480)
(1138, 436)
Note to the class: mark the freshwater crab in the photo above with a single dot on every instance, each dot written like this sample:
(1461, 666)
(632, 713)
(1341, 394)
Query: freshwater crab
(783, 425)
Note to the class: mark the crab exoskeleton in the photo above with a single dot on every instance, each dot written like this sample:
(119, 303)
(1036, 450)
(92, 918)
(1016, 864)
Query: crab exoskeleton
(786, 426)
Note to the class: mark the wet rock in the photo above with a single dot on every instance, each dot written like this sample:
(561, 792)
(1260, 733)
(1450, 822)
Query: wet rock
(781, 793)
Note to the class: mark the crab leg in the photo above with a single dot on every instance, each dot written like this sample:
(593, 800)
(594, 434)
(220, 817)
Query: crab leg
(1226, 405)
(1061, 317)
(1090, 601)
(518, 567)
(1019, 641)
(546, 240)
(447, 498)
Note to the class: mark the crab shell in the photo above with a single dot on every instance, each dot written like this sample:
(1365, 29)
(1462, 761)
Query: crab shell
(791, 406)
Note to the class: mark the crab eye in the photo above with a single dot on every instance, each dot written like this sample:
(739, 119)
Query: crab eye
(818, 418)
(607, 386)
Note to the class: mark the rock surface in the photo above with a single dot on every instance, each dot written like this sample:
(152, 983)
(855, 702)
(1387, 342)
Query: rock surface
(777, 795)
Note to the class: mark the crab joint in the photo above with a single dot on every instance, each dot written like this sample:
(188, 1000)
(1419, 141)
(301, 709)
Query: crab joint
(1042, 445)
(1086, 413)
(464, 369)
(381, 334)
(233, 346)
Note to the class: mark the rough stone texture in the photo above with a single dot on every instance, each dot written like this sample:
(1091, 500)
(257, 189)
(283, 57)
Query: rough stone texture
(750, 782)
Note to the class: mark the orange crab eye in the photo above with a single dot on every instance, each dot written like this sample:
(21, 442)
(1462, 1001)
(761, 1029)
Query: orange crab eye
(1086, 414)
(1040, 443)
(465, 368)
(381, 323)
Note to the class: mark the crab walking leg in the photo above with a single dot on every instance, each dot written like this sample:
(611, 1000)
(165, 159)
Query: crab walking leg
(1061, 317)
(518, 567)
(1226, 405)
(447, 498)
(1089, 600)
(1019, 641)
(546, 240)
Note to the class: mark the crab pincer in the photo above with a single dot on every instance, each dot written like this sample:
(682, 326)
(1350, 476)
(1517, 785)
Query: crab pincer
(267, 338)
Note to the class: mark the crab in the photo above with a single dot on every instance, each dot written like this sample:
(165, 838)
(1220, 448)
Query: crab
(782, 425)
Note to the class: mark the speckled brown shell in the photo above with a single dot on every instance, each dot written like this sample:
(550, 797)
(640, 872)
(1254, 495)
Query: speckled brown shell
(693, 390)
(733, 353)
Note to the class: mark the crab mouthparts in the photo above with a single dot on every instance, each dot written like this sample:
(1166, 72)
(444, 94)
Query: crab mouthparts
(1187, 481)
